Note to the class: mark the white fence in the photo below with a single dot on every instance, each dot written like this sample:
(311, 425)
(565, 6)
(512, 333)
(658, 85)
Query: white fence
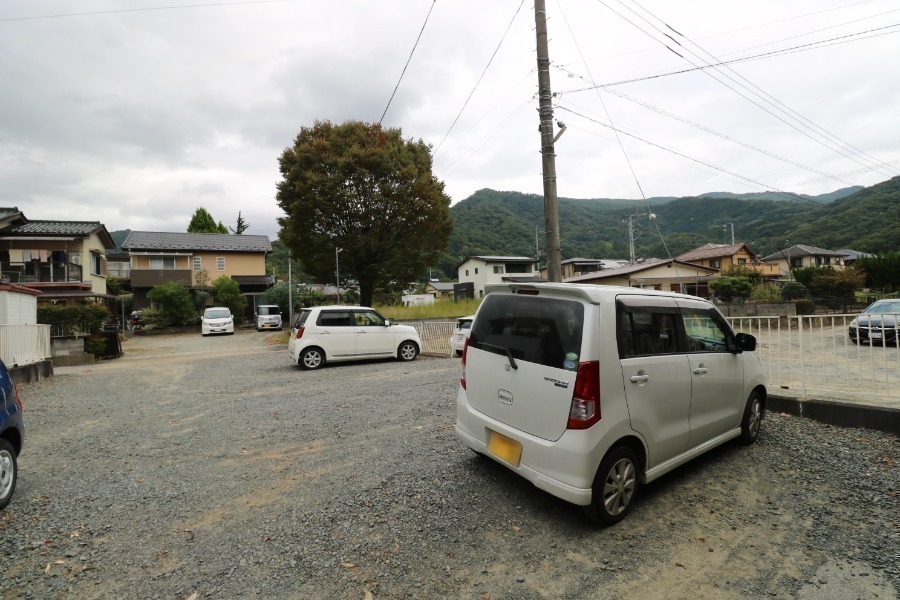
(24, 344)
(802, 356)
(814, 354)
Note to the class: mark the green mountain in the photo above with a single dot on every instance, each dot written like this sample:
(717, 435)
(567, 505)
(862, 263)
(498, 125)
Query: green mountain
(511, 223)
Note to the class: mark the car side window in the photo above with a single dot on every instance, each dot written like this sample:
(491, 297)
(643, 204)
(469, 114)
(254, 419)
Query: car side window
(704, 332)
(336, 318)
(368, 318)
(646, 331)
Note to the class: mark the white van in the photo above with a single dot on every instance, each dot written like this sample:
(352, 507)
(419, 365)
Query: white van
(268, 316)
(590, 391)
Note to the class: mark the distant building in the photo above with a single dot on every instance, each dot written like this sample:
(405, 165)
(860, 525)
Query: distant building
(667, 275)
(725, 256)
(801, 255)
(481, 270)
(572, 267)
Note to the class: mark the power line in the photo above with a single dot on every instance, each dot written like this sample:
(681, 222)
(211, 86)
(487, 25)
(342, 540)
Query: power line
(402, 73)
(825, 142)
(683, 155)
(794, 114)
(487, 66)
(131, 10)
(712, 131)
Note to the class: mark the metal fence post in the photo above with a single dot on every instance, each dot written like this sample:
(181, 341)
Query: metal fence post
(802, 356)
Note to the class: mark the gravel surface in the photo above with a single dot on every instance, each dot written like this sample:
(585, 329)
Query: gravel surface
(213, 468)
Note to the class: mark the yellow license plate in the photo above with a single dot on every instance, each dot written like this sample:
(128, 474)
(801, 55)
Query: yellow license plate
(505, 449)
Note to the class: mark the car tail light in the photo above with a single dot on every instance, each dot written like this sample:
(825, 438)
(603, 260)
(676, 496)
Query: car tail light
(462, 379)
(585, 409)
(299, 333)
(16, 393)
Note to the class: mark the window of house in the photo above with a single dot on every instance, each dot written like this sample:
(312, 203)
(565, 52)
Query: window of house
(198, 263)
(467, 272)
(518, 268)
(715, 264)
(162, 262)
(498, 269)
(796, 263)
(742, 261)
(476, 270)
(220, 263)
(98, 264)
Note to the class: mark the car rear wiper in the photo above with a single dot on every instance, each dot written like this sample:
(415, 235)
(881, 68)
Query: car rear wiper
(507, 351)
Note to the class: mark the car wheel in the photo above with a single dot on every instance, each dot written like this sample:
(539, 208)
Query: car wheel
(8, 470)
(312, 358)
(615, 486)
(853, 339)
(407, 351)
(753, 416)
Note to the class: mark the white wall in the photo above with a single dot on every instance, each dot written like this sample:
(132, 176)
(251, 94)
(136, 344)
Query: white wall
(17, 308)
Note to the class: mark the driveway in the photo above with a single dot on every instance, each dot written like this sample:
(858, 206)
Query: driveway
(214, 468)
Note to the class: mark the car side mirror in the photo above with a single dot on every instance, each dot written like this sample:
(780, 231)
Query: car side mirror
(387, 322)
(744, 342)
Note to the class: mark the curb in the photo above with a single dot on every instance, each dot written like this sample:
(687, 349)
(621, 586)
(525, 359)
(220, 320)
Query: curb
(838, 413)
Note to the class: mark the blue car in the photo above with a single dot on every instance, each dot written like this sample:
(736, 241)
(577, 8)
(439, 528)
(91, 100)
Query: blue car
(12, 435)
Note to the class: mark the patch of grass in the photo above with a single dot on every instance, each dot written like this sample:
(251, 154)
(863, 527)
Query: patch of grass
(282, 337)
(442, 309)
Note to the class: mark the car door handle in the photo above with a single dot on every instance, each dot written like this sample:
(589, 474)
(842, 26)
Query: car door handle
(700, 371)
(640, 378)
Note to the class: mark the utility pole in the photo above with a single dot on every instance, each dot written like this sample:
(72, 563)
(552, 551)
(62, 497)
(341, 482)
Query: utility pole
(290, 294)
(725, 228)
(631, 238)
(548, 156)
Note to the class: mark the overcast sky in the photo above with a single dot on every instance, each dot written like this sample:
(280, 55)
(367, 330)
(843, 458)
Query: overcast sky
(136, 116)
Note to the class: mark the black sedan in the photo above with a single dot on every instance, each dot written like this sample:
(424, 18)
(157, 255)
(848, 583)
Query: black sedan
(878, 324)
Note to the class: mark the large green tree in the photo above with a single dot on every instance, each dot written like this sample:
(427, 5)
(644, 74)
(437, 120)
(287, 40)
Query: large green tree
(203, 222)
(365, 190)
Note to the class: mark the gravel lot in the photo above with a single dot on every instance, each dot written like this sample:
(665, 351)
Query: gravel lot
(213, 468)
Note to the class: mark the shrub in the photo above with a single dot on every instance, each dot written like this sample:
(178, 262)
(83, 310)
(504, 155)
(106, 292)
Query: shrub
(727, 288)
(805, 307)
(794, 290)
(228, 293)
(173, 301)
(95, 346)
(69, 319)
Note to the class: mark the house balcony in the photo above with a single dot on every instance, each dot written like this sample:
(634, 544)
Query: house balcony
(766, 269)
(41, 272)
(148, 278)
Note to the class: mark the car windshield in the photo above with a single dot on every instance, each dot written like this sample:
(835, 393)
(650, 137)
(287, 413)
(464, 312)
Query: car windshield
(881, 308)
(269, 310)
(218, 313)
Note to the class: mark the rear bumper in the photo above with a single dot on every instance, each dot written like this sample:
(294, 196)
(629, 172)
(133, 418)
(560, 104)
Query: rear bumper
(564, 468)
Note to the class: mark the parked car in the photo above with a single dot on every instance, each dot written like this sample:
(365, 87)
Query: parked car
(268, 316)
(12, 435)
(461, 332)
(878, 324)
(217, 319)
(591, 391)
(339, 333)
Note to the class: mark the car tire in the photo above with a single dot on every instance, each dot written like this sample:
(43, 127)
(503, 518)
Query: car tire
(407, 351)
(752, 420)
(311, 359)
(8, 472)
(615, 487)
(854, 340)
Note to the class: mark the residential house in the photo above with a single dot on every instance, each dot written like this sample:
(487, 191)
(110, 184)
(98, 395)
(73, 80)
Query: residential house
(801, 255)
(573, 267)
(64, 260)
(440, 289)
(725, 256)
(668, 275)
(481, 270)
(188, 258)
(851, 256)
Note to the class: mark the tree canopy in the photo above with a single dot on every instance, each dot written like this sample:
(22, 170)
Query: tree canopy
(203, 222)
(365, 190)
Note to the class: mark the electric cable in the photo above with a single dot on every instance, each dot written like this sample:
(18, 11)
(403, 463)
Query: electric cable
(466, 103)
(402, 73)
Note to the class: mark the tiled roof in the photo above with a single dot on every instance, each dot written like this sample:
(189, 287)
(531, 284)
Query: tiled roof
(82, 228)
(504, 259)
(218, 242)
(633, 269)
(802, 250)
(713, 251)
(9, 212)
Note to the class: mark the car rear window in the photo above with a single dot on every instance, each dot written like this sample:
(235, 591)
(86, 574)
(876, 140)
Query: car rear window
(301, 320)
(217, 314)
(545, 331)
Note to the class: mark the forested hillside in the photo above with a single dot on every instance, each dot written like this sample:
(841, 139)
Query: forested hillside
(508, 223)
